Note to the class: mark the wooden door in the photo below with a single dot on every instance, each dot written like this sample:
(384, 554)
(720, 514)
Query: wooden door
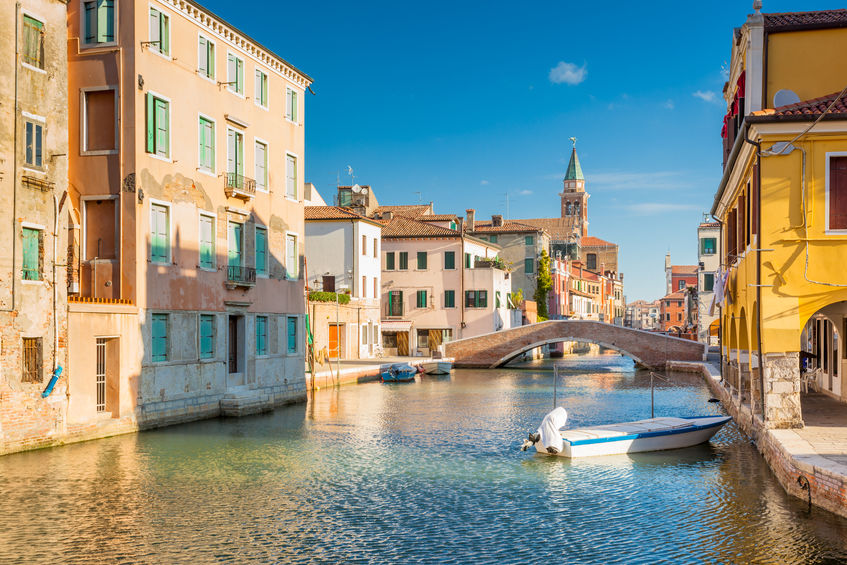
(403, 343)
(334, 345)
(233, 344)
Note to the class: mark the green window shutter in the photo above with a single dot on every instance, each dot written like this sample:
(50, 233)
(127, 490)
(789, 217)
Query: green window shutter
(159, 240)
(292, 335)
(211, 64)
(483, 298)
(493, 239)
(449, 298)
(529, 266)
(164, 32)
(201, 136)
(31, 259)
(422, 260)
(90, 22)
(159, 337)
(239, 154)
(207, 242)
(449, 259)
(293, 106)
(261, 335)
(39, 133)
(497, 299)
(235, 244)
(404, 260)
(421, 303)
(529, 240)
(239, 67)
(207, 336)
(162, 120)
(467, 260)
(203, 56)
(151, 124)
(105, 21)
(389, 261)
(261, 250)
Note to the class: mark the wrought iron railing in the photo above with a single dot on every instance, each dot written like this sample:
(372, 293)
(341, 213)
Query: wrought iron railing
(240, 275)
(241, 183)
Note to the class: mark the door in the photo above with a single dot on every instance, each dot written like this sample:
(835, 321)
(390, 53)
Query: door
(334, 341)
(233, 344)
(403, 343)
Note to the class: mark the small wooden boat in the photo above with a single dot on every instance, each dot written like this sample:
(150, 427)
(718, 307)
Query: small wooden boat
(399, 373)
(654, 434)
(437, 367)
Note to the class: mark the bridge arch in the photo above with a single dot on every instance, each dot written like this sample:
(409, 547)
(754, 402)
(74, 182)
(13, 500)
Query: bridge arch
(505, 360)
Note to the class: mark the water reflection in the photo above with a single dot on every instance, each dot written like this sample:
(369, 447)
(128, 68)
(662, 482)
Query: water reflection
(426, 472)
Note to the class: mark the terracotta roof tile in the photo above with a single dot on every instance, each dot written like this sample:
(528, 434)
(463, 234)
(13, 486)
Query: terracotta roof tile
(791, 20)
(331, 213)
(679, 294)
(407, 210)
(807, 109)
(437, 218)
(400, 226)
(710, 225)
(590, 241)
(684, 269)
(509, 226)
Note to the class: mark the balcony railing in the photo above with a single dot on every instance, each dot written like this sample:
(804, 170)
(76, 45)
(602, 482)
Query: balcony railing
(240, 276)
(239, 186)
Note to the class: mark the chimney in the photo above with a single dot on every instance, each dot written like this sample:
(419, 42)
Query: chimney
(471, 213)
(387, 215)
(496, 220)
(460, 225)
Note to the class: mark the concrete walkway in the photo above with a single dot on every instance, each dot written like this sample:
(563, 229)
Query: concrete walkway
(810, 462)
(354, 371)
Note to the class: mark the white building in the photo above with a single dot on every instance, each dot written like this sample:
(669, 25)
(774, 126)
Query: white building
(708, 243)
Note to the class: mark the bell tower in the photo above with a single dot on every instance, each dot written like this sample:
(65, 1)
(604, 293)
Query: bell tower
(574, 197)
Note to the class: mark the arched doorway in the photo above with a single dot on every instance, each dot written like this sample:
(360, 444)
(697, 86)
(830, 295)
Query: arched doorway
(823, 357)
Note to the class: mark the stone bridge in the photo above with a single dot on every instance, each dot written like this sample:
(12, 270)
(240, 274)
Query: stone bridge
(498, 348)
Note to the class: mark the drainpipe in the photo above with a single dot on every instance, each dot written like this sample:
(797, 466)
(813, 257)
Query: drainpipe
(462, 278)
(15, 158)
(57, 209)
(758, 147)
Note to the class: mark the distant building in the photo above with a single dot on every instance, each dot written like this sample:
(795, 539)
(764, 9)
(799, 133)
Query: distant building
(643, 315)
(678, 277)
(674, 312)
(708, 244)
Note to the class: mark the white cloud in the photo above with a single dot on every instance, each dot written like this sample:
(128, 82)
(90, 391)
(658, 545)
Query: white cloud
(483, 182)
(706, 95)
(653, 208)
(567, 73)
(668, 104)
(525, 192)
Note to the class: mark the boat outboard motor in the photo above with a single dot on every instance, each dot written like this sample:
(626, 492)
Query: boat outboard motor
(548, 433)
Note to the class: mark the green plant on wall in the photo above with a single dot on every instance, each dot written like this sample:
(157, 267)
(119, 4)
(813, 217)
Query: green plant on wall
(543, 284)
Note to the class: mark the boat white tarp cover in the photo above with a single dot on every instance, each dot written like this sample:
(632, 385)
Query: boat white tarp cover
(551, 437)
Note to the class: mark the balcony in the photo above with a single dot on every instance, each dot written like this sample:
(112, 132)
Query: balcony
(240, 276)
(239, 186)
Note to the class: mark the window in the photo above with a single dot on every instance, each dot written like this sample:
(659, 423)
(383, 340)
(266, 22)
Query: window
(364, 334)
(235, 155)
(493, 239)
(376, 335)
(395, 303)
(159, 38)
(679, 303)
(160, 241)
(529, 240)
(467, 260)
(389, 261)
(159, 337)
(261, 251)
(591, 261)
(449, 298)
(261, 335)
(235, 248)
(34, 140)
(708, 282)
(421, 299)
(291, 176)
(234, 74)
(364, 245)
(206, 58)
(679, 317)
(364, 286)
(376, 253)
(529, 265)
(291, 104)
(449, 259)
(708, 246)
(668, 317)
(421, 260)
(261, 166)
(33, 49)
(33, 253)
(98, 120)
(206, 139)
(837, 194)
(261, 94)
(99, 23)
(681, 284)
(207, 241)
(376, 288)
(291, 256)
(292, 334)
(476, 298)
(207, 336)
(31, 360)
(158, 126)
(404, 260)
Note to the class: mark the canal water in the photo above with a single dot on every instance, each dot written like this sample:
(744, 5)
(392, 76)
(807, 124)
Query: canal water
(428, 472)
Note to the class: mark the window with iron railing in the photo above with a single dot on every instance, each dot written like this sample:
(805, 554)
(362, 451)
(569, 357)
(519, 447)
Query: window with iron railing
(31, 360)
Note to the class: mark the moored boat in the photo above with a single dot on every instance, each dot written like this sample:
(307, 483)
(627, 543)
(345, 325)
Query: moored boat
(437, 367)
(653, 434)
(399, 373)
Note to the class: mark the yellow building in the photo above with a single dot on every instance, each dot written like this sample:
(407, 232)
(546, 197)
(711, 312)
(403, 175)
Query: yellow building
(782, 206)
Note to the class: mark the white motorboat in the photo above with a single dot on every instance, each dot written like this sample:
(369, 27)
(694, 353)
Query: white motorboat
(437, 367)
(654, 434)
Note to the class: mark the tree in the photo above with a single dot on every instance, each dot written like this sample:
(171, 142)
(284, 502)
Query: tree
(516, 299)
(543, 284)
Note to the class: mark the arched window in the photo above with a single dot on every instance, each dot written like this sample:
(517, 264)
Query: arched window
(576, 209)
(568, 209)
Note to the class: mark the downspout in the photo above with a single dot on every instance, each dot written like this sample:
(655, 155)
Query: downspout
(57, 209)
(758, 147)
(15, 164)
(462, 281)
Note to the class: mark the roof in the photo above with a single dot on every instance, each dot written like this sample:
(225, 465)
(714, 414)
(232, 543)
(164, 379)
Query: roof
(591, 241)
(318, 213)
(407, 210)
(509, 226)
(684, 269)
(400, 226)
(678, 295)
(805, 110)
(790, 21)
(437, 218)
(559, 228)
(574, 171)
(709, 225)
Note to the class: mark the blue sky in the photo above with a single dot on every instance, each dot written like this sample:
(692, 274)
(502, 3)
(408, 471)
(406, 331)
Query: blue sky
(460, 102)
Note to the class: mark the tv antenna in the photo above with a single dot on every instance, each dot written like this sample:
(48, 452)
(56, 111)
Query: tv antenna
(419, 196)
(352, 176)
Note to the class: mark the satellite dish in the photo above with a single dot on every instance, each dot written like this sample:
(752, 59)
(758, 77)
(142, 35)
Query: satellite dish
(364, 190)
(782, 148)
(357, 189)
(785, 97)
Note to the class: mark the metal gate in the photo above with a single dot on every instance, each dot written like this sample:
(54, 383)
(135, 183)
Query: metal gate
(100, 376)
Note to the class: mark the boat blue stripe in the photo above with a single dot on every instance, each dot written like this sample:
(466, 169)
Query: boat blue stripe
(720, 422)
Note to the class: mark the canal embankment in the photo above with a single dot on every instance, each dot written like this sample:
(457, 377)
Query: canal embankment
(810, 462)
(347, 372)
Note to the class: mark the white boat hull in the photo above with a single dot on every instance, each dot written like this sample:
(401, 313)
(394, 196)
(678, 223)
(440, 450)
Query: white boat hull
(437, 367)
(656, 434)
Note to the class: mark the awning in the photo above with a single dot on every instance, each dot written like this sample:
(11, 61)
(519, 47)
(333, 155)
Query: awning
(395, 325)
